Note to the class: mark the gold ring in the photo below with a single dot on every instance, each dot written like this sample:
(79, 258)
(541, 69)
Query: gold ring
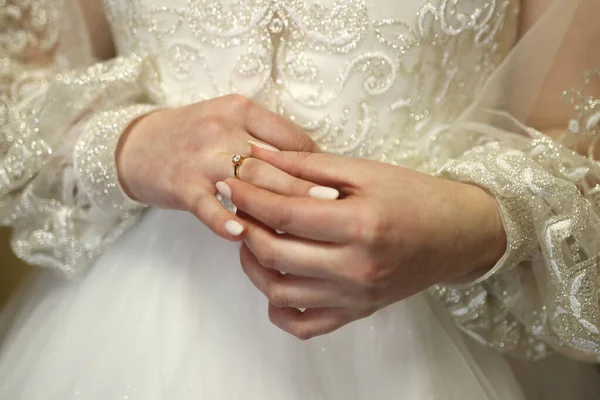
(237, 161)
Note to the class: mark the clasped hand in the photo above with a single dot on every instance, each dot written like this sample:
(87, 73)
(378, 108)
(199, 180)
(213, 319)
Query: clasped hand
(393, 233)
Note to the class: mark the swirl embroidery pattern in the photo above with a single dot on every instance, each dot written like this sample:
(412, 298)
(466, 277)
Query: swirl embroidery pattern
(306, 59)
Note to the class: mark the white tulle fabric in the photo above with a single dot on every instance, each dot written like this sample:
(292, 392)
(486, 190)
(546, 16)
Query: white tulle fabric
(166, 313)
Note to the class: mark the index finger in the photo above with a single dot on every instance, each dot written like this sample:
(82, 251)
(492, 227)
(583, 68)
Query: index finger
(323, 169)
(305, 217)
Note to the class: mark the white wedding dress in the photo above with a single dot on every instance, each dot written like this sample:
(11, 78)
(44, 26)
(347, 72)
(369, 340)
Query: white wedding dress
(165, 311)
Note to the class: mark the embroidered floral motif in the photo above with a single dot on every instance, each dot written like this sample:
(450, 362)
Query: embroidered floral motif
(304, 59)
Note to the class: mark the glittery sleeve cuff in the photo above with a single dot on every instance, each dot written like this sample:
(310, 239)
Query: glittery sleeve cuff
(94, 158)
(482, 166)
(543, 295)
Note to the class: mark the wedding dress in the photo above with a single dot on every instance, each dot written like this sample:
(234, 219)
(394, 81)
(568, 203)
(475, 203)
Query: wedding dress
(162, 310)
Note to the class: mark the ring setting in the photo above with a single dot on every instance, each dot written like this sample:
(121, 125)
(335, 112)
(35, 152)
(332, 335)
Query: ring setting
(237, 161)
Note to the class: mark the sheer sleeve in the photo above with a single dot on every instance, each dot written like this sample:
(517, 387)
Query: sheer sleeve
(61, 115)
(537, 159)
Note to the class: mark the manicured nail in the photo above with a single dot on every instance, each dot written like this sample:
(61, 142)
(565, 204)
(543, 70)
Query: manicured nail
(322, 192)
(224, 190)
(234, 228)
(263, 146)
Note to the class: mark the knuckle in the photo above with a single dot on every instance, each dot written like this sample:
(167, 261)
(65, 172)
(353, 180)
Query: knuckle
(277, 295)
(284, 218)
(292, 325)
(302, 142)
(301, 332)
(367, 276)
(266, 256)
(236, 102)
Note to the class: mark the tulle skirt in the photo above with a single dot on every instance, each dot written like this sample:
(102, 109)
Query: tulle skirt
(168, 314)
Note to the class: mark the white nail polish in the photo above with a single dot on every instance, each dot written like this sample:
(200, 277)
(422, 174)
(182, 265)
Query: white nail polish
(234, 228)
(322, 192)
(224, 190)
(263, 146)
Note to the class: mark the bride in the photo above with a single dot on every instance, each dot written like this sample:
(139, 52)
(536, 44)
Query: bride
(372, 150)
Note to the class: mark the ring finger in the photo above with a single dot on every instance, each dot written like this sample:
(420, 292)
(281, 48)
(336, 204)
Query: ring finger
(268, 177)
(265, 176)
(261, 174)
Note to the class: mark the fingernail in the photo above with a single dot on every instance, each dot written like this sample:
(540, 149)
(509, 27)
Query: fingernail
(322, 192)
(263, 146)
(224, 190)
(279, 232)
(234, 228)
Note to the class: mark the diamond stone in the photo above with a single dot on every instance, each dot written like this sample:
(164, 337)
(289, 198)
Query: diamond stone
(237, 158)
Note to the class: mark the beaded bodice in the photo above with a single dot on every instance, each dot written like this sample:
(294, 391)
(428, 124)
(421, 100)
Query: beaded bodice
(366, 78)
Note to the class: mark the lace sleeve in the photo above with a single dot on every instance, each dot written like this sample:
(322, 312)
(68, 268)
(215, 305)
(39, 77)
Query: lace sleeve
(60, 120)
(543, 295)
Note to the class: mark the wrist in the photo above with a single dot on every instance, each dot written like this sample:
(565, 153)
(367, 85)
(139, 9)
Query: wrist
(126, 152)
(483, 230)
(95, 158)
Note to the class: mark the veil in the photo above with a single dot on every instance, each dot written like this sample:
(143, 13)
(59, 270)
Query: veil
(530, 139)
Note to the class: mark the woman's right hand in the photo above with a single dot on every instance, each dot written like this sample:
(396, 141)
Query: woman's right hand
(173, 158)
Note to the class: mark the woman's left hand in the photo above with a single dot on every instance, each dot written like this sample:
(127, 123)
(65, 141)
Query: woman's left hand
(394, 233)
